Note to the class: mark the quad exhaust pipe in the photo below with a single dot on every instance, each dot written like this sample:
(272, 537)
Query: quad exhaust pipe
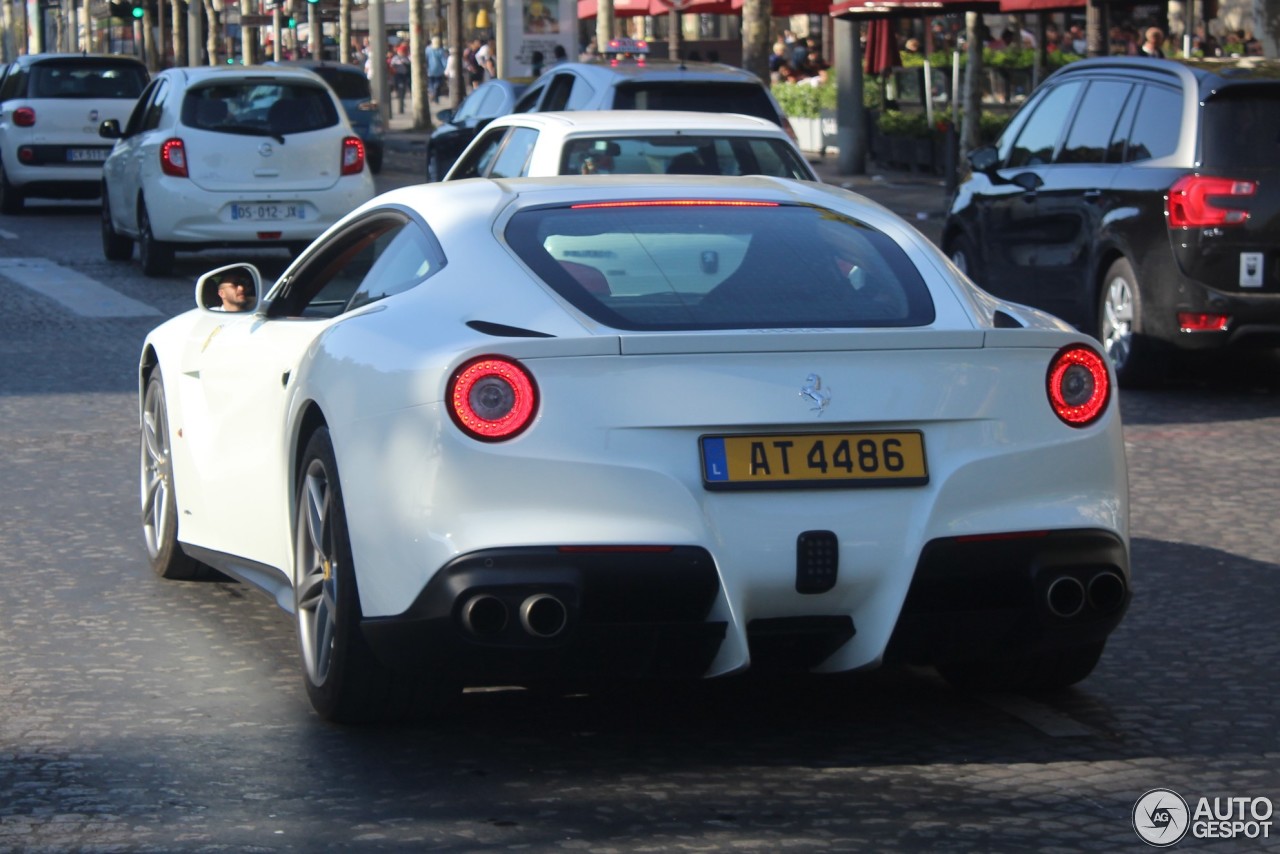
(1067, 596)
(541, 616)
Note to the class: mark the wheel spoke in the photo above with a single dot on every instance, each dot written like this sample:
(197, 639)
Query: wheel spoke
(151, 436)
(317, 509)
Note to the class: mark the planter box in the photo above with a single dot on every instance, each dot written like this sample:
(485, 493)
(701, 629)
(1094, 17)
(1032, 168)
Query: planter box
(808, 134)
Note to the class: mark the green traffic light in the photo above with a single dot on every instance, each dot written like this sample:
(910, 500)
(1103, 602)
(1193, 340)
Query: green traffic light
(138, 11)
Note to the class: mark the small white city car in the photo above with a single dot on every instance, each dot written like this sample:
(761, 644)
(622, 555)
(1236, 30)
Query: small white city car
(643, 142)
(51, 105)
(227, 157)
(502, 431)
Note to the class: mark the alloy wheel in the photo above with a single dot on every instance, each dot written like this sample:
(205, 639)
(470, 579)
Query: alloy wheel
(1117, 321)
(157, 480)
(317, 574)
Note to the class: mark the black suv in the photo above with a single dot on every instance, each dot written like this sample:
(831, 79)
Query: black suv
(1137, 199)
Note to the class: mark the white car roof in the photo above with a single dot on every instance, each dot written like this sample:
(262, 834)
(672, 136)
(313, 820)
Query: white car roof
(603, 122)
(199, 74)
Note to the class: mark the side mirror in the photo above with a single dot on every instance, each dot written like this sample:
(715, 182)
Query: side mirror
(445, 117)
(110, 129)
(232, 289)
(984, 159)
(1028, 181)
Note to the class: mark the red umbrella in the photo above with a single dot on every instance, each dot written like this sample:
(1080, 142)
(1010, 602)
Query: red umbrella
(691, 7)
(882, 48)
(621, 9)
(787, 8)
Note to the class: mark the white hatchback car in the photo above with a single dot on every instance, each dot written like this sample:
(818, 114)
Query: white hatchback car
(233, 156)
(51, 105)
(633, 142)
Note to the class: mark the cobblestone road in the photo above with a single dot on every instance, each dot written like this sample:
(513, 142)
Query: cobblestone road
(142, 715)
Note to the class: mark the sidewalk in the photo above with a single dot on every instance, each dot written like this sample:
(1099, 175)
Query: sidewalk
(918, 198)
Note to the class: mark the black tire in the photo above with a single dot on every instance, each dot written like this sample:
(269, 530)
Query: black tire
(345, 681)
(155, 255)
(1137, 359)
(1057, 669)
(12, 200)
(159, 501)
(433, 167)
(374, 157)
(115, 246)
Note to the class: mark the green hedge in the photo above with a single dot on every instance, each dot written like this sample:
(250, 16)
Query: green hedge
(914, 124)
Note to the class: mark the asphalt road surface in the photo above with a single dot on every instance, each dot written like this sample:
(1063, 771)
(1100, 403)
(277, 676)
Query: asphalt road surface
(144, 715)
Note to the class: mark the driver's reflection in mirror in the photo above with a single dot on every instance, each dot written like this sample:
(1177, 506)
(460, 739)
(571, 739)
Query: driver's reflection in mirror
(235, 289)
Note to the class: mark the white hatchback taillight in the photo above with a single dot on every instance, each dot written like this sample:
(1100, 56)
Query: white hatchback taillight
(352, 156)
(1193, 201)
(24, 117)
(492, 398)
(173, 158)
(1079, 385)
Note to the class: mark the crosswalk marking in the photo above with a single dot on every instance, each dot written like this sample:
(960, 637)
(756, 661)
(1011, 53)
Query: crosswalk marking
(79, 293)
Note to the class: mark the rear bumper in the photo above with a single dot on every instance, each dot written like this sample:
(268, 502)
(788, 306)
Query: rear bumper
(1254, 312)
(192, 215)
(1008, 598)
(523, 614)
(624, 614)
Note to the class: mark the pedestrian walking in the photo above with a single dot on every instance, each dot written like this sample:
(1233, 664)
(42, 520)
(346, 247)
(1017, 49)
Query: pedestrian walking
(437, 63)
(400, 68)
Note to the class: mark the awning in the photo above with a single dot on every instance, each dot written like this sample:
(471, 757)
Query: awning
(882, 48)
(1023, 6)
(908, 8)
(635, 8)
(621, 9)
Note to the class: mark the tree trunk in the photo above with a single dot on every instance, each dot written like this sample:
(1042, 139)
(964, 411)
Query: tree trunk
(213, 35)
(969, 130)
(458, 85)
(248, 35)
(417, 60)
(178, 35)
(604, 24)
(344, 32)
(756, 20)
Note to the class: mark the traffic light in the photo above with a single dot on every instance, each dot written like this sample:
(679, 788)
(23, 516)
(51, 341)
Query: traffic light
(138, 12)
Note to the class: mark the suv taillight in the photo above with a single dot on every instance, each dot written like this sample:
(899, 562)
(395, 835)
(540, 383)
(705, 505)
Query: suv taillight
(173, 158)
(352, 156)
(24, 117)
(1189, 202)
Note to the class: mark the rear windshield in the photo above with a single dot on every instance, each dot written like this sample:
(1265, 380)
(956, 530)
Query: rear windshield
(700, 95)
(721, 265)
(683, 155)
(259, 108)
(79, 79)
(349, 86)
(1241, 128)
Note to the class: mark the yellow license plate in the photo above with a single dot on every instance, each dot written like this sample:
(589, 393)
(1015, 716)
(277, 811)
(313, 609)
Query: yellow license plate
(814, 459)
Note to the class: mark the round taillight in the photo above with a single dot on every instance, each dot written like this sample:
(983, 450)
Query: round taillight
(492, 398)
(1079, 385)
(24, 117)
